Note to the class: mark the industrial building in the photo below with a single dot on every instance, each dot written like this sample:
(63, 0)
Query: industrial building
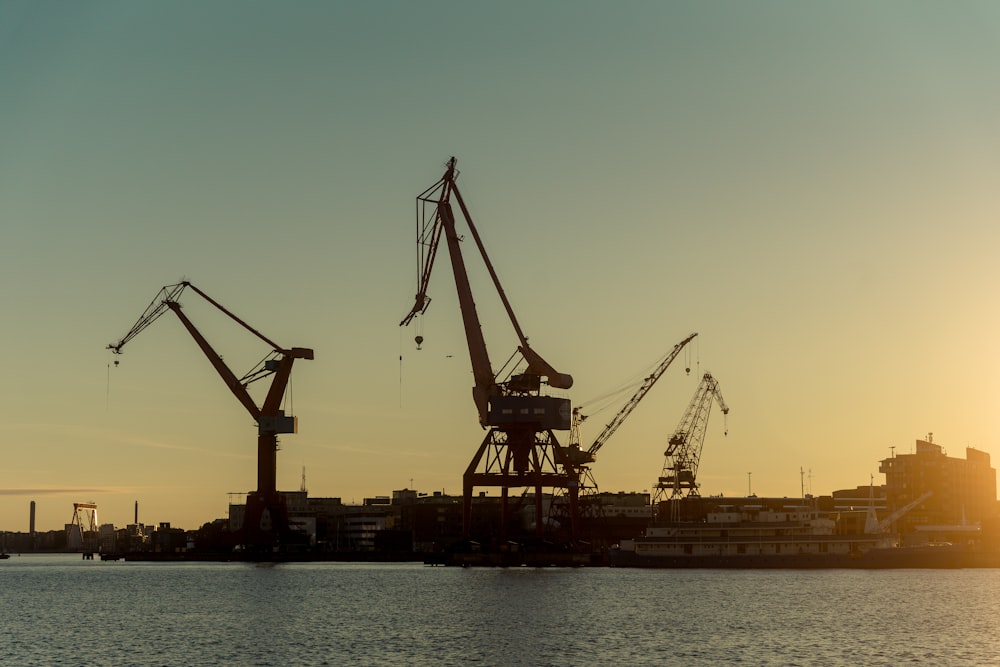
(958, 493)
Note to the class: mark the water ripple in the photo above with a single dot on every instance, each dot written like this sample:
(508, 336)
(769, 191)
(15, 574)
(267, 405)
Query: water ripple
(57, 610)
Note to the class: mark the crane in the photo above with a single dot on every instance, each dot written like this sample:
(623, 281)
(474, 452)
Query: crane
(84, 528)
(519, 449)
(580, 458)
(683, 453)
(874, 526)
(266, 518)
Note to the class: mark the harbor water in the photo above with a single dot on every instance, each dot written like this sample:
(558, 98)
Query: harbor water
(60, 610)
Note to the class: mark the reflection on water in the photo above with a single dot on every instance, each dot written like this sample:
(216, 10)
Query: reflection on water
(60, 610)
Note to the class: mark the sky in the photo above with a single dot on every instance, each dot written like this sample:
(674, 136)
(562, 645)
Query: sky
(811, 187)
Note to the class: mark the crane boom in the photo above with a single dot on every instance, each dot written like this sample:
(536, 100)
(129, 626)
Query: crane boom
(429, 232)
(228, 377)
(168, 299)
(158, 306)
(588, 456)
(169, 295)
(885, 524)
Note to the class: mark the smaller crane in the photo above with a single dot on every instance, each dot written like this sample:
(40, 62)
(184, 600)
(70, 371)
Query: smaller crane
(874, 526)
(578, 457)
(683, 453)
(266, 518)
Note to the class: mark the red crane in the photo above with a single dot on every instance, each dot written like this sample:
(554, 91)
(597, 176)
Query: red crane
(266, 519)
(520, 449)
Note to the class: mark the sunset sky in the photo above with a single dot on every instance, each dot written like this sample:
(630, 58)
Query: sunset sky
(812, 187)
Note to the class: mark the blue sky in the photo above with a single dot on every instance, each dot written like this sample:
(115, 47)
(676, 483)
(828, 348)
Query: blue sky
(810, 186)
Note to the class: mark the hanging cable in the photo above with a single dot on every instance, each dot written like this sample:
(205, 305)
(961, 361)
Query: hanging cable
(400, 367)
(698, 358)
(107, 396)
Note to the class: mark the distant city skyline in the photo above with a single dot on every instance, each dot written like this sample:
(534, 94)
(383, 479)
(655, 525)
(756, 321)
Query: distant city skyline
(811, 188)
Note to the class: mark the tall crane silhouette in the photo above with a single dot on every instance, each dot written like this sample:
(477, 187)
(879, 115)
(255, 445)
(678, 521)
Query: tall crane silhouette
(520, 449)
(265, 524)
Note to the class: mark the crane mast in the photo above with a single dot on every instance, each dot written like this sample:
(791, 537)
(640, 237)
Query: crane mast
(266, 518)
(520, 449)
(684, 446)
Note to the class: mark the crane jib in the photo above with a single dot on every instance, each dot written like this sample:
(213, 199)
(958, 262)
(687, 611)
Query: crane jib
(430, 228)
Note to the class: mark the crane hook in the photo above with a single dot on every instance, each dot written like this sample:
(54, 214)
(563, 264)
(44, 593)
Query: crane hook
(418, 340)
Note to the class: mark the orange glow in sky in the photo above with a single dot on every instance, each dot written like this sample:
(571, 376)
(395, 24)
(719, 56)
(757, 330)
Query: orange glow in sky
(811, 188)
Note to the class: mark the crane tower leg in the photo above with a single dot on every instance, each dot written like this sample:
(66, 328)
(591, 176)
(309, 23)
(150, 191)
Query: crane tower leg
(522, 458)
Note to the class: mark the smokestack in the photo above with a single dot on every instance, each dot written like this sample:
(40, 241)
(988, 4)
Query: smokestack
(137, 512)
(31, 520)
